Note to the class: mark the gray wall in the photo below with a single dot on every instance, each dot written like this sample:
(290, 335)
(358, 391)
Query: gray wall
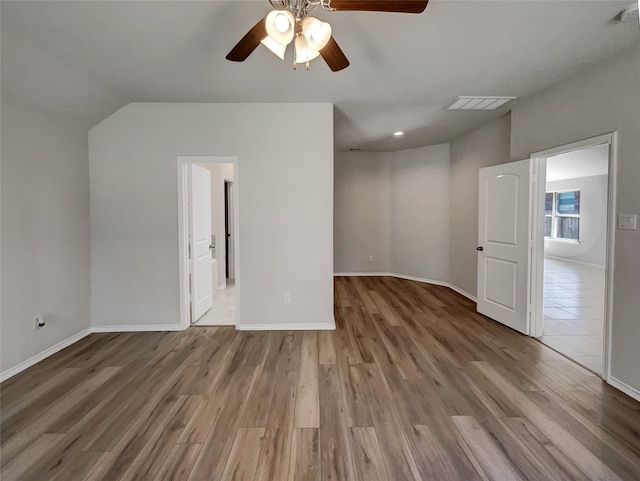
(592, 247)
(45, 234)
(285, 213)
(393, 206)
(484, 147)
(362, 211)
(603, 98)
(420, 213)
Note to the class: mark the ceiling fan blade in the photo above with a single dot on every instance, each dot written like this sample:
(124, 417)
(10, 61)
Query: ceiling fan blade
(249, 43)
(334, 56)
(399, 6)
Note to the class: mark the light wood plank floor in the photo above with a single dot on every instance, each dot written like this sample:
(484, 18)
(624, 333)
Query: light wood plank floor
(413, 385)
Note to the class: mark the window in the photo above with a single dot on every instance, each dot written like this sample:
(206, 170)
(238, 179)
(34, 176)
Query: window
(562, 215)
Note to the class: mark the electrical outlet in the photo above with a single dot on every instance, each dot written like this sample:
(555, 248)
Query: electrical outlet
(370, 258)
(38, 322)
(627, 221)
(287, 298)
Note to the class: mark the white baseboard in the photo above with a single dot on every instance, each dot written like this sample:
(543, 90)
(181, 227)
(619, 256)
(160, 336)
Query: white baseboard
(138, 328)
(464, 293)
(362, 274)
(12, 371)
(409, 278)
(318, 326)
(565, 259)
(219, 324)
(321, 326)
(625, 388)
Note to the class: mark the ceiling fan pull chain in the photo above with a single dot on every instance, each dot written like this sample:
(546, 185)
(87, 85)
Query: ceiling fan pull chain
(307, 65)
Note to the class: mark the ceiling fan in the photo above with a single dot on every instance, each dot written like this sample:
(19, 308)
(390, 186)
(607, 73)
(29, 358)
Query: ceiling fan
(291, 22)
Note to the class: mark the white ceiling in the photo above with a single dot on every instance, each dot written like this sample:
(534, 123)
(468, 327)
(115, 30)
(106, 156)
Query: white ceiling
(80, 61)
(579, 163)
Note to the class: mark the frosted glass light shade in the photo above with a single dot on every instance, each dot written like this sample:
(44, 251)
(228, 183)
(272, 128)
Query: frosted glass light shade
(275, 47)
(280, 26)
(317, 33)
(303, 52)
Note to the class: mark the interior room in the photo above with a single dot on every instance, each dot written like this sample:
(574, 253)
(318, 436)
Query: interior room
(284, 240)
(576, 205)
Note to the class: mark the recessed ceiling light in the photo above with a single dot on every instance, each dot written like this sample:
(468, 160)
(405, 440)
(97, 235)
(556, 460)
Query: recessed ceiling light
(398, 134)
(469, 102)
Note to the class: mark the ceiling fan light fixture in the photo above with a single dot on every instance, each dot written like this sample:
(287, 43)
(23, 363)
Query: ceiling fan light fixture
(317, 33)
(275, 47)
(304, 52)
(280, 26)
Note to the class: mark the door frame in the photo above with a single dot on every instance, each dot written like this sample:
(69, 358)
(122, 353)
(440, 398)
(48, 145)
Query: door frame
(183, 231)
(538, 191)
(229, 212)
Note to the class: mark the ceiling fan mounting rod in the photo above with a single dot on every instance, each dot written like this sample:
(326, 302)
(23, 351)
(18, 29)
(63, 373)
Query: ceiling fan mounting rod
(299, 8)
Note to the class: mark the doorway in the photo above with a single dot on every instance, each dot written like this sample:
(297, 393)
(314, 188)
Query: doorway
(572, 236)
(208, 241)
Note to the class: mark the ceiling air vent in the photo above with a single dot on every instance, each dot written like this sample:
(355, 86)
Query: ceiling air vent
(474, 102)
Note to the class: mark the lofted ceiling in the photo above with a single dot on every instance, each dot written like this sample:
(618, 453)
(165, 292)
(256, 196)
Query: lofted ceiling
(80, 61)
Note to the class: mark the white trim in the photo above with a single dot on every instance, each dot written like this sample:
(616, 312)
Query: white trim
(464, 293)
(574, 262)
(318, 326)
(183, 236)
(409, 278)
(422, 279)
(362, 274)
(624, 387)
(138, 328)
(12, 371)
(437, 283)
(539, 166)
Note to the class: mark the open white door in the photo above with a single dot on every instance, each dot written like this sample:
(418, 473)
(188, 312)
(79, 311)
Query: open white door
(200, 239)
(503, 243)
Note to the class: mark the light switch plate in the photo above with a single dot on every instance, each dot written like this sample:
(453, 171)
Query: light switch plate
(627, 221)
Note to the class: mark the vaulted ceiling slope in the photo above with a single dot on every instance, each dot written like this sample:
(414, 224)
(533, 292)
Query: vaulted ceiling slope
(80, 61)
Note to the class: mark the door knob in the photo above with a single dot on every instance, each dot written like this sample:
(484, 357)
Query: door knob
(480, 248)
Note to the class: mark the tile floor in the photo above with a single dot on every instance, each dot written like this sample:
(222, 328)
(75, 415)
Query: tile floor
(574, 311)
(223, 312)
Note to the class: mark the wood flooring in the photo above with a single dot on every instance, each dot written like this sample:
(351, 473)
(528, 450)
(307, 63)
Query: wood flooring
(413, 385)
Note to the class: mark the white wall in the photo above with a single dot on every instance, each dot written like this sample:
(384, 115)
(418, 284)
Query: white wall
(420, 213)
(603, 98)
(592, 247)
(362, 211)
(45, 234)
(484, 147)
(285, 182)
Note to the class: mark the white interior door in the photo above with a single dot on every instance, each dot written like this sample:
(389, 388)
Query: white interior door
(200, 239)
(503, 243)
